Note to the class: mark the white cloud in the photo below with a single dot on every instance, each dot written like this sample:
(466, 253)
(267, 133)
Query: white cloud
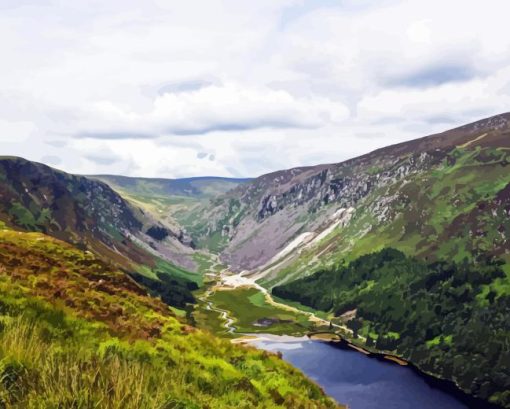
(257, 86)
(459, 102)
(209, 109)
(15, 131)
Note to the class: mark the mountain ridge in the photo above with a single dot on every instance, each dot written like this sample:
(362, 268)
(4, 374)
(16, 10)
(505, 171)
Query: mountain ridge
(90, 215)
(293, 199)
(441, 197)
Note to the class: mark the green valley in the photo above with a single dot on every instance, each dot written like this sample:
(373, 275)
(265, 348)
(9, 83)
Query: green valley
(403, 251)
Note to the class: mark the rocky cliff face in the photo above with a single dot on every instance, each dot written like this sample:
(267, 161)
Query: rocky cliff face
(345, 186)
(257, 220)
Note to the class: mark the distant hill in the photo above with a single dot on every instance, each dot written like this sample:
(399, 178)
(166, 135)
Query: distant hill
(200, 187)
(171, 201)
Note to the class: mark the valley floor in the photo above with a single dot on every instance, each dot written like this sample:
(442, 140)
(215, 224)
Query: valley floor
(233, 305)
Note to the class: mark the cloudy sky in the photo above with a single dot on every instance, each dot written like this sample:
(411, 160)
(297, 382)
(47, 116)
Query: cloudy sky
(173, 88)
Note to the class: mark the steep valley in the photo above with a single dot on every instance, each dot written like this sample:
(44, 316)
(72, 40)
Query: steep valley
(446, 187)
(404, 251)
(442, 197)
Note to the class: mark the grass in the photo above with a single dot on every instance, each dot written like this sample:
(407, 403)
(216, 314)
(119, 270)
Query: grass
(437, 219)
(41, 373)
(207, 263)
(248, 305)
(175, 271)
(321, 314)
(41, 369)
(75, 333)
(209, 320)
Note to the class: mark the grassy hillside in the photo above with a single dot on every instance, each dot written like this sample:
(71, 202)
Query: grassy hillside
(450, 319)
(77, 333)
(91, 216)
(88, 214)
(456, 209)
(447, 188)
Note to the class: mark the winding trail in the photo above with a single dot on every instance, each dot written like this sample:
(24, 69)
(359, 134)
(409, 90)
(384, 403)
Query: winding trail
(224, 314)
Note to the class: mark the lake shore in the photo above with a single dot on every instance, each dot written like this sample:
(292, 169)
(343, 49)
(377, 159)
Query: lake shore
(286, 343)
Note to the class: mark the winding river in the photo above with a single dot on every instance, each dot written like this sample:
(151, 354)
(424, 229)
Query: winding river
(359, 381)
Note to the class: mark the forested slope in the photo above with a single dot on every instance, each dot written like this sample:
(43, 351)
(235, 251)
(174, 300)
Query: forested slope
(450, 319)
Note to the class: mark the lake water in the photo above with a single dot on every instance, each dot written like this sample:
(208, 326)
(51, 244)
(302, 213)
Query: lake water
(361, 382)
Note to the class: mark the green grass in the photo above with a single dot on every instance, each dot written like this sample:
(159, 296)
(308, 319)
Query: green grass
(247, 305)
(178, 312)
(437, 221)
(215, 242)
(207, 263)
(210, 320)
(74, 333)
(56, 361)
(321, 314)
(175, 271)
(172, 270)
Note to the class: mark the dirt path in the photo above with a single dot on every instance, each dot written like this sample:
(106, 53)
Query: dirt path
(226, 280)
(209, 305)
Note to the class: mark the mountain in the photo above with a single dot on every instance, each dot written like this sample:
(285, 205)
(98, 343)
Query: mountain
(75, 332)
(445, 195)
(204, 186)
(85, 282)
(91, 216)
(408, 246)
(36, 197)
(171, 200)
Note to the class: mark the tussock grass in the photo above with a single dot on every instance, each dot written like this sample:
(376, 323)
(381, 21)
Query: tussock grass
(37, 372)
(76, 334)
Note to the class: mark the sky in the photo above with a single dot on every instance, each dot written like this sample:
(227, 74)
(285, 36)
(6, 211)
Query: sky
(240, 88)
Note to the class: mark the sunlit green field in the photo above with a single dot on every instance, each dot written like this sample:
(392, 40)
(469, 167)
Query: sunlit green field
(248, 307)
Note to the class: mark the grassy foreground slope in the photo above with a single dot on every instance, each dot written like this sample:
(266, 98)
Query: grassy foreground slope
(450, 319)
(76, 333)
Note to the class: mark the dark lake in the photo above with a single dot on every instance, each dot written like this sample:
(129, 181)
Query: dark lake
(360, 381)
